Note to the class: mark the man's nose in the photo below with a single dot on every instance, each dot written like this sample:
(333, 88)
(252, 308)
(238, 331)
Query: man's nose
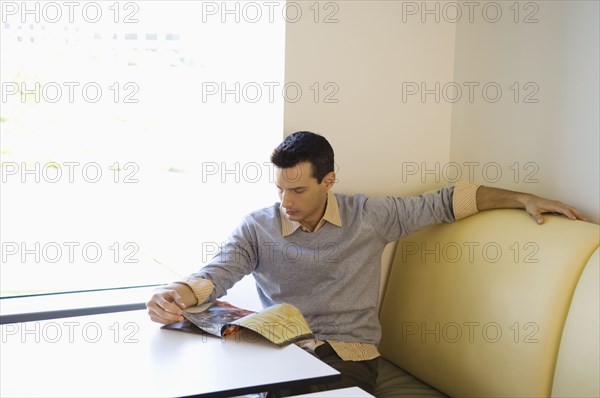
(286, 201)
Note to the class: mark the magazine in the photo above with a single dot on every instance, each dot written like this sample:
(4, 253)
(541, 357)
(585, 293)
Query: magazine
(281, 324)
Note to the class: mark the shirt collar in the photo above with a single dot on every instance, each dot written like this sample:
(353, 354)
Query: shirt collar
(331, 215)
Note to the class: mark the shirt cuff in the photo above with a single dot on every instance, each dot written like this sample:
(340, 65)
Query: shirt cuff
(201, 287)
(346, 350)
(354, 351)
(464, 200)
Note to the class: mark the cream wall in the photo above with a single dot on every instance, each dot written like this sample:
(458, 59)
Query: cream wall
(555, 142)
(367, 54)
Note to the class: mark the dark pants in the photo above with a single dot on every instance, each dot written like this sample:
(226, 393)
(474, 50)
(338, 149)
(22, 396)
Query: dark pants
(361, 374)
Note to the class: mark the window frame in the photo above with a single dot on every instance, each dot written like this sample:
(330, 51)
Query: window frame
(70, 304)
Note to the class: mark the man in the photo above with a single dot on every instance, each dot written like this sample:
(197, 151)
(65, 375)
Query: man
(321, 252)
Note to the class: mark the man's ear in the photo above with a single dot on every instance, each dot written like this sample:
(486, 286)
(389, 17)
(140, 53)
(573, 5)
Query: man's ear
(329, 179)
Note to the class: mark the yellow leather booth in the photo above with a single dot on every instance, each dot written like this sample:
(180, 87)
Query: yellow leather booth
(493, 305)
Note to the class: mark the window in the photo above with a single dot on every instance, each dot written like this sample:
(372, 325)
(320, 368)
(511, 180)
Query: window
(134, 136)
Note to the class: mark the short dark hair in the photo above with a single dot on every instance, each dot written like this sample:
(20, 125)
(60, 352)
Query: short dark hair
(305, 146)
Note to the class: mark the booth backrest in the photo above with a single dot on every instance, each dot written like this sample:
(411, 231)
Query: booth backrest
(477, 308)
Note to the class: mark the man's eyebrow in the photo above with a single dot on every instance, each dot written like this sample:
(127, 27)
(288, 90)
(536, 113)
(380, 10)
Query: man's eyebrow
(294, 188)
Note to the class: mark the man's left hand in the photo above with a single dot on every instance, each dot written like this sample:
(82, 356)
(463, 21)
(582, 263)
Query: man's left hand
(496, 198)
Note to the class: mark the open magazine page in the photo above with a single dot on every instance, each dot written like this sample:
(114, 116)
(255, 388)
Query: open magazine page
(282, 323)
(216, 318)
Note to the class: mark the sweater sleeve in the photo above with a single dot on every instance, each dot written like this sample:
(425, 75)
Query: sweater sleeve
(235, 259)
(395, 217)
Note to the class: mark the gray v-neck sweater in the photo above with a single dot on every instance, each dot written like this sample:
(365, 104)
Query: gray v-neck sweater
(333, 274)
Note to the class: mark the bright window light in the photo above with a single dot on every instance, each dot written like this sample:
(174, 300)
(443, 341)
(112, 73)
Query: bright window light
(134, 137)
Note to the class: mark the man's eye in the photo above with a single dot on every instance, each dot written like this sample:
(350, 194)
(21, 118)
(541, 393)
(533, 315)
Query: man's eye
(299, 190)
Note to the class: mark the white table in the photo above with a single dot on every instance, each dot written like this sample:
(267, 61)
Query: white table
(126, 355)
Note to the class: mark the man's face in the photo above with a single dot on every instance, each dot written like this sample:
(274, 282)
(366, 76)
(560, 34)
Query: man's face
(302, 198)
